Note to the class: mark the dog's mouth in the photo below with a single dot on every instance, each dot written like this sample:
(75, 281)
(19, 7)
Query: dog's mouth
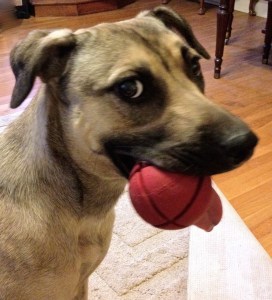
(204, 158)
(123, 159)
(127, 151)
(126, 157)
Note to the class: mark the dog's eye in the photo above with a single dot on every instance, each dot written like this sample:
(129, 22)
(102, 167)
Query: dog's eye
(130, 89)
(195, 66)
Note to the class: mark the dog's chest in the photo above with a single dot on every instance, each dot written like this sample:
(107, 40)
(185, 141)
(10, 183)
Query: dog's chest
(93, 242)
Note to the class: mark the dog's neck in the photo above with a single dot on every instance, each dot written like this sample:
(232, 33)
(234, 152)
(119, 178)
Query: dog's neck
(47, 160)
(98, 194)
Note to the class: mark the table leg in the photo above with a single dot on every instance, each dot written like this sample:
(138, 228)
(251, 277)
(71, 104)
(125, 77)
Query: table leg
(268, 34)
(252, 5)
(229, 28)
(222, 25)
(202, 8)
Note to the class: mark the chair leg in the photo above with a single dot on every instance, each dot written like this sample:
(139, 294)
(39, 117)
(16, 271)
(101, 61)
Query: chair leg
(222, 25)
(229, 28)
(268, 34)
(202, 9)
(252, 5)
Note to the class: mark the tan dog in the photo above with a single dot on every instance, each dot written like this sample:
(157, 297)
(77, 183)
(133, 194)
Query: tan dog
(112, 94)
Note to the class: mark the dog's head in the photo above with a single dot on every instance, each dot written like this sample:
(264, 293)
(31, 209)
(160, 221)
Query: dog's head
(134, 90)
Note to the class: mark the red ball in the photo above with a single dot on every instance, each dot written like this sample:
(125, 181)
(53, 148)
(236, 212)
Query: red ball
(170, 200)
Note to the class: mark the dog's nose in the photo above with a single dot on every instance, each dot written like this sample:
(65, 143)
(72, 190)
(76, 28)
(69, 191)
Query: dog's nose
(240, 146)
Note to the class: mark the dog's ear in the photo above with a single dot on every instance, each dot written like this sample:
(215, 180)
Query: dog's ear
(43, 54)
(178, 24)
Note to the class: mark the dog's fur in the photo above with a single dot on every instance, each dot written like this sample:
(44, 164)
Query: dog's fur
(65, 160)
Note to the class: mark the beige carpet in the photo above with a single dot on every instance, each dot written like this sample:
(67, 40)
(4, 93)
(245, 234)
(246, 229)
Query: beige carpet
(145, 263)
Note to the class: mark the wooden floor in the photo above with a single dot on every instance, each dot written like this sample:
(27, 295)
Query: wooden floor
(245, 89)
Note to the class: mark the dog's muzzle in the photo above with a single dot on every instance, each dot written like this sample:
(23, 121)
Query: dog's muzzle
(208, 154)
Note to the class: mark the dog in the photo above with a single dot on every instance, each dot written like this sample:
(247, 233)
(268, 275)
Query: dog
(111, 95)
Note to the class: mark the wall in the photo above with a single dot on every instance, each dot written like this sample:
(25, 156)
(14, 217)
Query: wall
(18, 2)
(261, 7)
(242, 5)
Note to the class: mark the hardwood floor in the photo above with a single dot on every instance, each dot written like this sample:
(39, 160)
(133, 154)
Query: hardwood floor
(245, 89)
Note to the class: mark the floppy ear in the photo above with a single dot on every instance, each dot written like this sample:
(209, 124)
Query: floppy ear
(43, 54)
(178, 24)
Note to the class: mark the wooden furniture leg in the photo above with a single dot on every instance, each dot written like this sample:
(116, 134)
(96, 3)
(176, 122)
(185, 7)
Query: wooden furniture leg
(268, 34)
(202, 8)
(230, 20)
(252, 5)
(222, 25)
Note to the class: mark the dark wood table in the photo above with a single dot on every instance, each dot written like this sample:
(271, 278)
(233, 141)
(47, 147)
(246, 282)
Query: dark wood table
(223, 32)
(268, 34)
(224, 27)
